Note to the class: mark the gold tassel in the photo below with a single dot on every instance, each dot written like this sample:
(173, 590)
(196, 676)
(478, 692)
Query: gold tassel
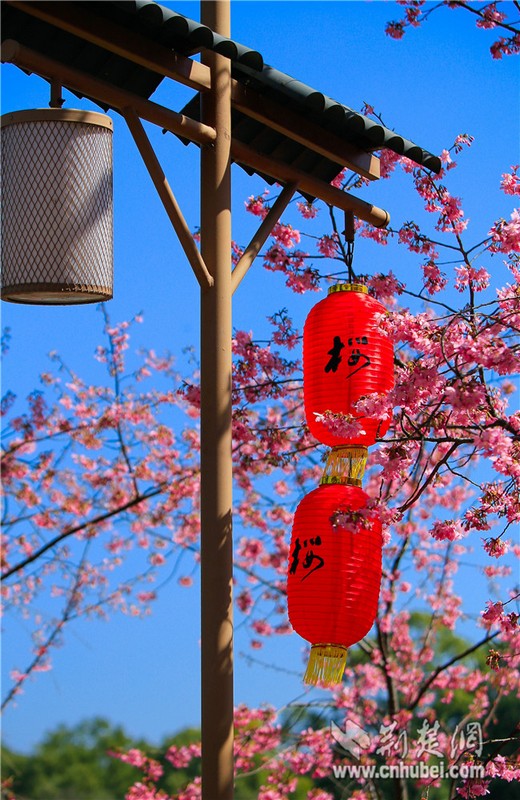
(345, 465)
(326, 664)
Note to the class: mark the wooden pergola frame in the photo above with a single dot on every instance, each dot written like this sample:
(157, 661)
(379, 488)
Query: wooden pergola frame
(212, 268)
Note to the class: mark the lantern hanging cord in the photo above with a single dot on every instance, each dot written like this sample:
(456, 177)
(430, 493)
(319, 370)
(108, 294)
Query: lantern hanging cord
(350, 258)
(349, 233)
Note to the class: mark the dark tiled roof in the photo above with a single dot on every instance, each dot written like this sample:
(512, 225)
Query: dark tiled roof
(334, 116)
(77, 53)
(146, 18)
(174, 31)
(182, 34)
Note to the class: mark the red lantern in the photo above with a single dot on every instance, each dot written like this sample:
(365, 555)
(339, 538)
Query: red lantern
(334, 576)
(345, 356)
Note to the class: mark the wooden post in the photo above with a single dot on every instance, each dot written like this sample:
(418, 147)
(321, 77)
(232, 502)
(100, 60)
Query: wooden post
(216, 462)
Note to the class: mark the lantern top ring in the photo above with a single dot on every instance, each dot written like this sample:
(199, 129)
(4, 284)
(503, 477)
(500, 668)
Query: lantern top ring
(348, 287)
(354, 451)
(57, 115)
(329, 480)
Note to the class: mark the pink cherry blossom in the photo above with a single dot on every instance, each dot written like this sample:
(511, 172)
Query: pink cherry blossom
(510, 183)
(506, 235)
(473, 788)
(339, 179)
(505, 46)
(341, 425)
(495, 547)
(328, 246)
(450, 530)
(307, 210)
(395, 30)
(466, 276)
(490, 17)
(285, 235)
(256, 205)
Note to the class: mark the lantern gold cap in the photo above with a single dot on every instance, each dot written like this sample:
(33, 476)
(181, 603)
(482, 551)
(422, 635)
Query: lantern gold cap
(345, 465)
(348, 287)
(334, 481)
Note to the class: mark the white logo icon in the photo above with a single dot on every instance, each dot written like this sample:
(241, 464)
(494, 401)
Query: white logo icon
(353, 739)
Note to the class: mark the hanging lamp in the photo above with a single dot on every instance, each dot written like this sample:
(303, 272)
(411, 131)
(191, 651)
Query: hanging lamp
(57, 218)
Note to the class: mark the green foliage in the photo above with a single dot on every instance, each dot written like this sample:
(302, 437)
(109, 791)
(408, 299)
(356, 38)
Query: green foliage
(71, 764)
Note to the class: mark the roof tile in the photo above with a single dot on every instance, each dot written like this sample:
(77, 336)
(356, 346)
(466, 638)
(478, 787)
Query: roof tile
(177, 32)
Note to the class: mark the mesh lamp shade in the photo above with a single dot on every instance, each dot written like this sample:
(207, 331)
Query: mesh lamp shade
(345, 356)
(334, 576)
(57, 221)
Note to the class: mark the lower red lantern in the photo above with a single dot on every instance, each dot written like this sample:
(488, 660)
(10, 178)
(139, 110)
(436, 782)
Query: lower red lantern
(334, 576)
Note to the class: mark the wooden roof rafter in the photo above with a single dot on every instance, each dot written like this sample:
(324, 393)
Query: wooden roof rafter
(188, 128)
(72, 19)
(117, 53)
(138, 49)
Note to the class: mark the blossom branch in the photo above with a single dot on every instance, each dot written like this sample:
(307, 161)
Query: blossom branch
(439, 670)
(81, 527)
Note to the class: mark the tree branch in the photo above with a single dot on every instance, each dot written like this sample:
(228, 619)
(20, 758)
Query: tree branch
(449, 663)
(77, 528)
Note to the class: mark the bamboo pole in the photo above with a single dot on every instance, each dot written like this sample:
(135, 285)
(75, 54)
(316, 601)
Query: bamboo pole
(216, 462)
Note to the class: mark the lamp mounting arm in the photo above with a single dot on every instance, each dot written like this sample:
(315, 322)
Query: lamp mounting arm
(56, 99)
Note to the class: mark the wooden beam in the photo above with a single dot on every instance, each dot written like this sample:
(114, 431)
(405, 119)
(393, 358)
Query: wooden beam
(168, 198)
(268, 223)
(106, 93)
(121, 41)
(216, 462)
(306, 132)
(285, 173)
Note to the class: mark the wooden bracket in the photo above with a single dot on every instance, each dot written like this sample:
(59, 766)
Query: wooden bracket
(286, 173)
(168, 198)
(268, 223)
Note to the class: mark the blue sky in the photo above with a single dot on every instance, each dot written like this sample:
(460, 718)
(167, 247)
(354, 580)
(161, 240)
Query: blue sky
(436, 83)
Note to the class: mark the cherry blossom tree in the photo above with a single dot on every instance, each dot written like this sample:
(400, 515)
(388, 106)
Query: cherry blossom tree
(101, 487)
(501, 17)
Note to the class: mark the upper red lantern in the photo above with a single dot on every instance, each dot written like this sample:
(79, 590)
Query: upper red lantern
(345, 356)
(334, 575)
